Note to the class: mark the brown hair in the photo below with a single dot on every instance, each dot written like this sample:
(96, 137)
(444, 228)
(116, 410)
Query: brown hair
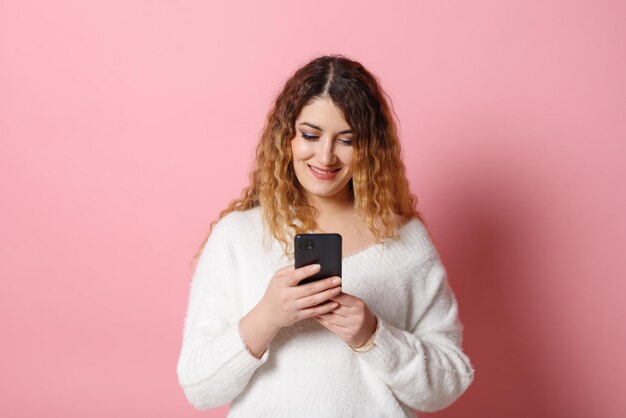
(379, 186)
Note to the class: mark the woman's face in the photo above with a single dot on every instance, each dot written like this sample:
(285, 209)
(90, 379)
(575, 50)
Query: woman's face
(323, 156)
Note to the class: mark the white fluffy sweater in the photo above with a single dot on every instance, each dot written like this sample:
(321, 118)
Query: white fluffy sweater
(417, 362)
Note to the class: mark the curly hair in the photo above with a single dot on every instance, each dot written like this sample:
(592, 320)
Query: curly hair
(379, 187)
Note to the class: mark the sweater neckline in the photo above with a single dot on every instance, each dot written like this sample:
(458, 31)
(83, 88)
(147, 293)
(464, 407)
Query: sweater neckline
(376, 244)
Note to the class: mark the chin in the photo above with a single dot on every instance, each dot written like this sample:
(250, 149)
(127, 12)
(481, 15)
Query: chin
(325, 192)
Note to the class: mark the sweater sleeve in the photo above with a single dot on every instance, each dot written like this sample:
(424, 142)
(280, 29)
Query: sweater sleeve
(215, 365)
(424, 367)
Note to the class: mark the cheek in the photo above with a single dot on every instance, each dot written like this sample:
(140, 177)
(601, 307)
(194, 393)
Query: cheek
(348, 159)
(300, 149)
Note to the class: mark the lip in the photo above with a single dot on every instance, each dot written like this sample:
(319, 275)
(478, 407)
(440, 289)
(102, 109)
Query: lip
(328, 176)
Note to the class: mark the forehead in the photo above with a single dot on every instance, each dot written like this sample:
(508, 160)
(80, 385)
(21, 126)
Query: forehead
(323, 113)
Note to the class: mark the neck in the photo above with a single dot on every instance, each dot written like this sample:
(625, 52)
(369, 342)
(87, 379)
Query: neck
(331, 206)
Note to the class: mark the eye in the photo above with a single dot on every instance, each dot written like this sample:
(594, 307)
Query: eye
(307, 136)
(346, 141)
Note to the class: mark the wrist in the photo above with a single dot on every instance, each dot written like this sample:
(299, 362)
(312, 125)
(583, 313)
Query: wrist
(256, 332)
(264, 320)
(367, 345)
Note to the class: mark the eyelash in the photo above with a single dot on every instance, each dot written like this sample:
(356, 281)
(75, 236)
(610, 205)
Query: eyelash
(313, 137)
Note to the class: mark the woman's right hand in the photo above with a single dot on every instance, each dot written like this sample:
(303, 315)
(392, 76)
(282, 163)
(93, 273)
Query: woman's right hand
(285, 302)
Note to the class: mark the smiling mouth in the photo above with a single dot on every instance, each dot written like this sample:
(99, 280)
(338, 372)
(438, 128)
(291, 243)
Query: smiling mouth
(320, 171)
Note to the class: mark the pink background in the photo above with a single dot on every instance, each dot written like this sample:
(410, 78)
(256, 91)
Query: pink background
(125, 126)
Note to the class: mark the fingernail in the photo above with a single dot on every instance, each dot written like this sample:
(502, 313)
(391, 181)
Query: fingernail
(337, 281)
(315, 266)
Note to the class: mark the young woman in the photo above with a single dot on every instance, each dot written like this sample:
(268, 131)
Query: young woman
(381, 341)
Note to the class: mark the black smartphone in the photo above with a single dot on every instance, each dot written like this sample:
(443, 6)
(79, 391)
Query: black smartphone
(322, 249)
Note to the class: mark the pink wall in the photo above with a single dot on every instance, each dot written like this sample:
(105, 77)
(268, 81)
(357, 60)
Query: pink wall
(125, 126)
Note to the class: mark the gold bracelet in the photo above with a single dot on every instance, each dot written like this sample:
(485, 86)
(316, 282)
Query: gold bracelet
(369, 343)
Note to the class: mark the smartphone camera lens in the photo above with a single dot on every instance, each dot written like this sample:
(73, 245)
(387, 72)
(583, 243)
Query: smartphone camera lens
(307, 245)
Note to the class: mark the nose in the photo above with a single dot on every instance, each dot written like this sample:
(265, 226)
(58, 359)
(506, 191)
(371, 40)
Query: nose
(326, 152)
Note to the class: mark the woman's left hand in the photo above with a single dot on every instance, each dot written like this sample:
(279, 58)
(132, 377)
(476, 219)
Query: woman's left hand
(352, 320)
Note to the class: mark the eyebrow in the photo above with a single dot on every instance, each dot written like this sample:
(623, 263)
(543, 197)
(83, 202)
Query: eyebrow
(349, 131)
